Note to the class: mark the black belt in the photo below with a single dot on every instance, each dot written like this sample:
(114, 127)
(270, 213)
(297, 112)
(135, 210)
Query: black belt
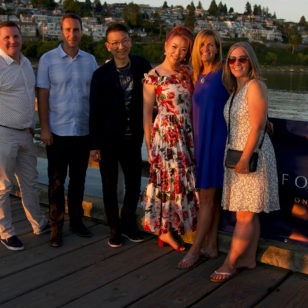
(20, 129)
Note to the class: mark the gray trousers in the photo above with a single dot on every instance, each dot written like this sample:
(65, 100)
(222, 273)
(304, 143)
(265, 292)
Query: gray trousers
(18, 159)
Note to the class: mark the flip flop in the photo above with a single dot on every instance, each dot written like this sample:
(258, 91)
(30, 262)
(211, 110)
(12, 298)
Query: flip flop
(189, 261)
(225, 276)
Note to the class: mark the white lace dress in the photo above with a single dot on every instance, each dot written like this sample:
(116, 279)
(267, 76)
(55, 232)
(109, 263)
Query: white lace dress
(257, 191)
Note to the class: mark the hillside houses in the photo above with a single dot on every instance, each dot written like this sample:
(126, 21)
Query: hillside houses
(46, 24)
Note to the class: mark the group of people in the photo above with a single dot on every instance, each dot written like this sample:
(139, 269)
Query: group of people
(105, 112)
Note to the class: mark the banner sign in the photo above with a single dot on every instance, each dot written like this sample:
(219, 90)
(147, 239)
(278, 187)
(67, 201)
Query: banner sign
(290, 141)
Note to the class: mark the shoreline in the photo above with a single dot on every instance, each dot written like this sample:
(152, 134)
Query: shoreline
(291, 69)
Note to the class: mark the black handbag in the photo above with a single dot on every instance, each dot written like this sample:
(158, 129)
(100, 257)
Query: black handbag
(233, 156)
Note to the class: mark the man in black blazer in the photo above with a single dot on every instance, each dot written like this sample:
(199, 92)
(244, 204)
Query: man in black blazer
(116, 130)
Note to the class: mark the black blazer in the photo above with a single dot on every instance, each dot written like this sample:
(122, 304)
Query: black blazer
(107, 108)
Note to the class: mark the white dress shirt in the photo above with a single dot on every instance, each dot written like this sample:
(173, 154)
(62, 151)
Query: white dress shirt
(17, 84)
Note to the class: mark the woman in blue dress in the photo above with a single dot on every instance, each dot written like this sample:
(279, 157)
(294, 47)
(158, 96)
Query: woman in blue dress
(210, 133)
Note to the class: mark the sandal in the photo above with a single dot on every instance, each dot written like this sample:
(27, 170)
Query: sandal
(225, 276)
(189, 261)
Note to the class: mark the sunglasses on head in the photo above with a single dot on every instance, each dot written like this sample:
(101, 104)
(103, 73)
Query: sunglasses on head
(242, 60)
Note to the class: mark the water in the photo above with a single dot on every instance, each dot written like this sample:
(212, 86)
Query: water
(288, 95)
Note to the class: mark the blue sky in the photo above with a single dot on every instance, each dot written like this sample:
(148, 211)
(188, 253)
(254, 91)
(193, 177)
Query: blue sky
(290, 10)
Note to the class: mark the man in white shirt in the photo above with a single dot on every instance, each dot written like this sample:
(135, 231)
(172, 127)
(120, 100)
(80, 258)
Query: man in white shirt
(17, 153)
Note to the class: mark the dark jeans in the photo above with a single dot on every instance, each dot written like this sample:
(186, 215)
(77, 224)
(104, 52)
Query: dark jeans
(67, 152)
(128, 153)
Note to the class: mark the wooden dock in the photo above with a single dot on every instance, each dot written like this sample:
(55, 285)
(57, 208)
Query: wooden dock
(88, 273)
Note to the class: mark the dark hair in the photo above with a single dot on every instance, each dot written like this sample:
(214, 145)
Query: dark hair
(116, 27)
(9, 24)
(186, 34)
(73, 16)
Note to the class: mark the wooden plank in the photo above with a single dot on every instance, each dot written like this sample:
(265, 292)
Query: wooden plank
(55, 269)
(146, 282)
(184, 290)
(42, 252)
(246, 289)
(31, 240)
(291, 293)
(63, 280)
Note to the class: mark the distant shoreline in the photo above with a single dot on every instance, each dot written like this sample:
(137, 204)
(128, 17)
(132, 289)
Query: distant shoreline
(291, 69)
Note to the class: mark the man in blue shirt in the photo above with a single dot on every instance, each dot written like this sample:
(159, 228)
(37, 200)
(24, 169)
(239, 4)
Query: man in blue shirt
(63, 82)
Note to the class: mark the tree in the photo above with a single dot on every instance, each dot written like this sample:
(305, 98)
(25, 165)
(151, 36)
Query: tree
(80, 8)
(199, 7)
(191, 5)
(248, 10)
(303, 22)
(213, 9)
(165, 5)
(190, 19)
(98, 6)
(132, 16)
(231, 10)
(291, 35)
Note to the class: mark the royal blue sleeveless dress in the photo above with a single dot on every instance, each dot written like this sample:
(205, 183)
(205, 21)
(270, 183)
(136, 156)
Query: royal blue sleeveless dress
(210, 130)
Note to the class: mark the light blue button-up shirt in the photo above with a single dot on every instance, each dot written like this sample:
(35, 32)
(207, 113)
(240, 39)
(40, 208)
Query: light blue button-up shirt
(68, 80)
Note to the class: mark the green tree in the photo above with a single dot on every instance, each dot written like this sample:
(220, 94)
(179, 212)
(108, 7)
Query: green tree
(98, 6)
(190, 19)
(132, 16)
(271, 58)
(291, 35)
(80, 8)
(87, 43)
(213, 9)
(165, 5)
(231, 10)
(303, 22)
(248, 10)
(199, 6)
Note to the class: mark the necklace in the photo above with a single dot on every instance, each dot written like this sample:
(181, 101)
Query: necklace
(203, 78)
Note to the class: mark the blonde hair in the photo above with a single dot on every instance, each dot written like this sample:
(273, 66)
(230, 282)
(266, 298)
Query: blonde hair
(195, 56)
(228, 79)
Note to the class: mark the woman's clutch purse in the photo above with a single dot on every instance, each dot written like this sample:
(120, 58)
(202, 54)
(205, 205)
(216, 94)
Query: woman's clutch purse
(233, 157)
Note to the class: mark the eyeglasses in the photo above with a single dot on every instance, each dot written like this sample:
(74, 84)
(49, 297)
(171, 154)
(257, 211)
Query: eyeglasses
(242, 60)
(116, 44)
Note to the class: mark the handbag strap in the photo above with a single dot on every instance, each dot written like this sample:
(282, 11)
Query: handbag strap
(260, 145)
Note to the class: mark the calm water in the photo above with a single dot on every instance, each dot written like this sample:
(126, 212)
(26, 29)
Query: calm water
(288, 95)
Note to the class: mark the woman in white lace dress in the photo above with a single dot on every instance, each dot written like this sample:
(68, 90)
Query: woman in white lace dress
(246, 193)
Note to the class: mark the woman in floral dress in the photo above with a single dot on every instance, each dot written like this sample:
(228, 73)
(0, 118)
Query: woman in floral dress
(170, 198)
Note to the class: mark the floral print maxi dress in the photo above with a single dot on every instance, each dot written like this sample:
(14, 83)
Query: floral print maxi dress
(170, 199)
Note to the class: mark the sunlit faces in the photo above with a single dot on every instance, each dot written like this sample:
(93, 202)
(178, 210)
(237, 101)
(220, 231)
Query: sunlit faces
(10, 42)
(119, 44)
(71, 33)
(239, 63)
(176, 49)
(208, 50)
